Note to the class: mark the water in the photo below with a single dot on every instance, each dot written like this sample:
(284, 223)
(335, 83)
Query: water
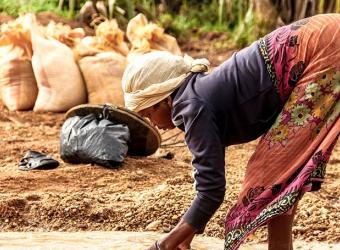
(92, 240)
(121, 241)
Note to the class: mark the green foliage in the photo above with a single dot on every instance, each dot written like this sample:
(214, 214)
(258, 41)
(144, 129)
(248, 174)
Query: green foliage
(182, 18)
(244, 31)
(195, 18)
(16, 7)
(232, 16)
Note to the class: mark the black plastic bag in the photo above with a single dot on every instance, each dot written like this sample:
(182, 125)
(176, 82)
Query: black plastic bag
(89, 139)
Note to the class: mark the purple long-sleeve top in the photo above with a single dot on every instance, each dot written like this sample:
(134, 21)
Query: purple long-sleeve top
(235, 103)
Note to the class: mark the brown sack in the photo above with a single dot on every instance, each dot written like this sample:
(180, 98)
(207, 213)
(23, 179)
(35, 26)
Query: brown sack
(86, 47)
(108, 38)
(102, 74)
(60, 83)
(64, 33)
(17, 83)
(18, 86)
(149, 36)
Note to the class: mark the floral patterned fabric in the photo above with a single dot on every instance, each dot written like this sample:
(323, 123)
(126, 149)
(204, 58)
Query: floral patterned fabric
(303, 60)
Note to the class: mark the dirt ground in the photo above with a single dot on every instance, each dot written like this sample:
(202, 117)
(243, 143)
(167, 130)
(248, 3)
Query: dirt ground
(145, 194)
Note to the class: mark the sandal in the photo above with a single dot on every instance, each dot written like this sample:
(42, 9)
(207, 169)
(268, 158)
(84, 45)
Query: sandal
(37, 160)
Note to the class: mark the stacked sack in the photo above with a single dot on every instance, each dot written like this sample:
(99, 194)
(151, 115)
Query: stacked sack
(145, 36)
(59, 80)
(102, 60)
(37, 71)
(18, 86)
(39, 65)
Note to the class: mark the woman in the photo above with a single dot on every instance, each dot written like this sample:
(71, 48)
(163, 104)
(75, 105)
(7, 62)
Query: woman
(284, 87)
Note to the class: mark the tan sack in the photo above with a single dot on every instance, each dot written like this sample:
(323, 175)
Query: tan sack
(60, 83)
(102, 74)
(64, 33)
(17, 83)
(86, 47)
(149, 36)
(108, 38)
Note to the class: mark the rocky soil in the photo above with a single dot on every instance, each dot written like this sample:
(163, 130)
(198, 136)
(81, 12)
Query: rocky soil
(145, 194)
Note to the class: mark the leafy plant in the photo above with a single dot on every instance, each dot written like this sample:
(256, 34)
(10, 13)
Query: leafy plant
(244, 30)
(15, 7)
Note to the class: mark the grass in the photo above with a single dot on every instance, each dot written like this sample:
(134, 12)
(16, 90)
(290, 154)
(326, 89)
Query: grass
(17, 7)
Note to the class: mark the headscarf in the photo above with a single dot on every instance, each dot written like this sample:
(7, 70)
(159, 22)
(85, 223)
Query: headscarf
(152, 77)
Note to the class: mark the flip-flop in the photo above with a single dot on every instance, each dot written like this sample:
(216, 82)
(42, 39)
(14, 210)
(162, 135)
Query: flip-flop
(37, 160)
(144, 138)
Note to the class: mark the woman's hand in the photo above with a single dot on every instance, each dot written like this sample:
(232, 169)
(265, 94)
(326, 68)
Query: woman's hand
(185, 245)
(154, 247)
(178, 239)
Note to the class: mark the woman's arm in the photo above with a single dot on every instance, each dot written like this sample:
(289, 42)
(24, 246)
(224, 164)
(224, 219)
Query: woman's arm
(204, 140)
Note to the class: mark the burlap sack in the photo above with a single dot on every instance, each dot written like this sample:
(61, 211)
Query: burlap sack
(149, 36)
(17, 82)
(58, 77)
(108, 38)
(102, 74)
(64, 33)
(111, 38)
(18, 86)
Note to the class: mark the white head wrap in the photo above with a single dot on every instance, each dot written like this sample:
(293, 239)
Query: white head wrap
(152, 77)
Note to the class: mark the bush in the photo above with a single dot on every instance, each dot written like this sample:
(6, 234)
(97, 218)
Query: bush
(16, 7)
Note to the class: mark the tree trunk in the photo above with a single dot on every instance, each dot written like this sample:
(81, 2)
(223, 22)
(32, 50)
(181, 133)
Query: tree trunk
(265, 13)
(291, 10)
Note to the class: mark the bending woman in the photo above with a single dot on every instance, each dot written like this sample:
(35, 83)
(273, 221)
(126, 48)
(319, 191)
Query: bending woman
(285, 87)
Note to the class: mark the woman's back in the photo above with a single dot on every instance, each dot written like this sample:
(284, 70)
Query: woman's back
(239, 93)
